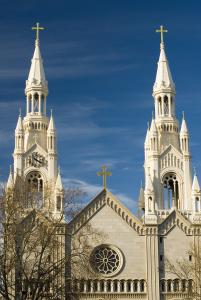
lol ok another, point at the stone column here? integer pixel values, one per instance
(152, 258)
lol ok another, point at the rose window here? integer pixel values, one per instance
(107, 260)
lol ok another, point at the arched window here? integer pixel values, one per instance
(166, 106)
(34, 187)
(36, 102)
(171, 191)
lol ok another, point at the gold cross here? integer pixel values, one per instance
(37, 28)
(104, 173)
(162, 31)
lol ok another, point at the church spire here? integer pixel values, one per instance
(36, 85)
(36, 79)
(164, 81)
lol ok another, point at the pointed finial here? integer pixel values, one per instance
(20, 112)
(148, 125)
(194, 169)
(51, 112)
(37, 28)
(162, 31)
(183, 115)
(152, 115)
(11, 169)
(59, 170)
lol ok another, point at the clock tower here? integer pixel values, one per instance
(35, 153)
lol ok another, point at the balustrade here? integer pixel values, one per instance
(107, 286)
(175, 286)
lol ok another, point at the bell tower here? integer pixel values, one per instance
(167, 155)
(35, 153)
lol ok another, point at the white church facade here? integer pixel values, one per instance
(130, 259)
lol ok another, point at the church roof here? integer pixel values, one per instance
(164, 79)
(106, 198)
(36, 76)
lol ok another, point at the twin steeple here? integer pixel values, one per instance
(167, 154)
(35, 153)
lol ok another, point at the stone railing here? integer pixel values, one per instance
(163, 214)
(107, 286)
(175, 286)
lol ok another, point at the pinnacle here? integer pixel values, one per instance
(184, 128)
(195, 185)
(59, 185)
(19, 126)
(51, 126)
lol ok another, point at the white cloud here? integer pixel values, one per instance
(93, 190)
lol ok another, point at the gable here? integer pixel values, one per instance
(36, 147)
(175, 219)
(105, 198)
(171, 158)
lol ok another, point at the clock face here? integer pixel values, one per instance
(35, 159)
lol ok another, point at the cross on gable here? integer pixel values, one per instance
(104, 173)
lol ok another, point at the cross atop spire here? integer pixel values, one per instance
(37, 28)
(104, 173)
(162, 31)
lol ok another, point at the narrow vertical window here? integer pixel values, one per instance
(59, 203)
(166, 106)
(36, 102)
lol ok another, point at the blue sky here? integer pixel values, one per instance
(100, 61)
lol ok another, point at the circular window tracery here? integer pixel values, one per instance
(107, 260)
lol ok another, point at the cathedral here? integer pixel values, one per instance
(130, 259)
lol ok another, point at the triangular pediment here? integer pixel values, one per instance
(106, 198)
(171, 158)
(36, 148)
(175, 218)
(171, 149)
